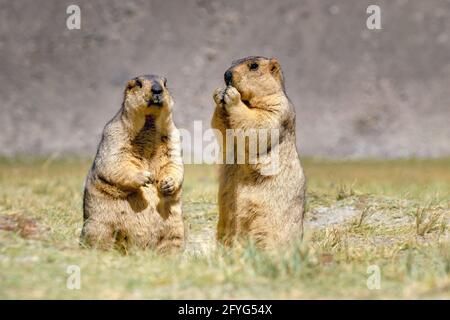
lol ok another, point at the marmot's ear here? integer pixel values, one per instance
(275, 69)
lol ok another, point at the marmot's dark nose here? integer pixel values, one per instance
(156, 88)
(228, 77)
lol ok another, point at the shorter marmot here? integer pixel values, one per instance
(266, 206)
(132, 195)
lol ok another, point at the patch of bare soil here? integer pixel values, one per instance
(26, 227)
(322, 217)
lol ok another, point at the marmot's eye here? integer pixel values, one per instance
(253, 66)
(165, 82)
(139, 83)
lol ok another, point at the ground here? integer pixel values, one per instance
(363, 217)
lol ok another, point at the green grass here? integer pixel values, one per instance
(400, 212)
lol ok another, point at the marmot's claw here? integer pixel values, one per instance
(150, 176)
(144, 178)
(167, 186)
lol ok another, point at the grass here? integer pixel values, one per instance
(397, 215)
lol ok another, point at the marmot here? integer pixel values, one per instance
(132, 195)
(265, 208)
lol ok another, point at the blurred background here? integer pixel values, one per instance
(357, 92)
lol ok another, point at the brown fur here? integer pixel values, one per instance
(132, 194)
(268, 209)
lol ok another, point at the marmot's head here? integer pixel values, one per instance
(147, 94)
(255, 77)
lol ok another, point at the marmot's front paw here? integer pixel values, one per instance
(227, 96)
(218, 95)
(143, 178)
(231, 96)
(167, 186)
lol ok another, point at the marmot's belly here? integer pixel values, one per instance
(256, 206)
(133, 221)
(137, 211)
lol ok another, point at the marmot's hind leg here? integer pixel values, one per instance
(172, 237)
(171, 243)
(96, 234)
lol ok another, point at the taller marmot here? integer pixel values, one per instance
(132, 194)
(267, 208)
